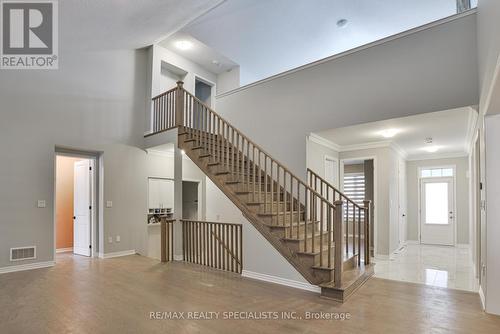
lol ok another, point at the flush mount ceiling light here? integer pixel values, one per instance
(389, 133)
(183, 45)
(431, 149)
(342, 23)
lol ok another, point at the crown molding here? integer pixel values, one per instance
(399, 150)
(325, 142)
(366, 146)
(472, 124)
(440, 156)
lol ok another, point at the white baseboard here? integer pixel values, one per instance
(412, 242)
(282, 281)
(116, 254)
(381, 257)
(465, 246)
(481, 295)
(28, 266)
(64, 250)
(391, 256)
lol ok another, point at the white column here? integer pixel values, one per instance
(177, 201)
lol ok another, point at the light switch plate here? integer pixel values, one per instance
(118, 239)
(109, 204)
(41, 203)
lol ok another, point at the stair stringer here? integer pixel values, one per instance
(252, 217)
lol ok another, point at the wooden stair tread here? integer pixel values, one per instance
(300, 224)
(280, 213)
(317, 250)
(308, 235)
(278, 217)
(351, 280)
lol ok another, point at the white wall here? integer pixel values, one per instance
(229, 80)
(492, 288)
(259, 256)
(462, 198)
(315, 158)
(160, 82)
(95, 101)
(427, 71)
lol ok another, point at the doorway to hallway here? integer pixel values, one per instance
(190, 208)
(75, 204)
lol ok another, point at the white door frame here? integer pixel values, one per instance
(97, 196)
(375, 193)
(419, 199)
(213, 91)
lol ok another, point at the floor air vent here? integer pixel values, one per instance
(23, 253)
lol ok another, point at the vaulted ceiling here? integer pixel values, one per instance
(124, 24)
(272, 36)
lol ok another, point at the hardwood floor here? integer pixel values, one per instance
(81, 295)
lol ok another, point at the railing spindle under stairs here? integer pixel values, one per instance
(356, 217)
(213, 244)
(311, 218)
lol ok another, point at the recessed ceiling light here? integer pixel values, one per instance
(431, 149)
(183, 152)
(183, 45)
(389, 133)
(342, 23)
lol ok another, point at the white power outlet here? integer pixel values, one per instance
(109, 204)
(41, 203)
(118, 239)
(110, 240)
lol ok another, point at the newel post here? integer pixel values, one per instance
(367, 231)
(338, 233)
(179, 106)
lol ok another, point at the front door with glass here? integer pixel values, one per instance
(437, 216)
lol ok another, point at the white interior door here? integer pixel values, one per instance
(437, 216)
(82, 208)
(330, 171)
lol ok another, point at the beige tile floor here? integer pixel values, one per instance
(441, 266)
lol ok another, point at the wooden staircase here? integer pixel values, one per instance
(323, 234)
